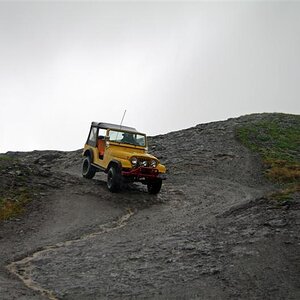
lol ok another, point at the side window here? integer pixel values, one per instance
(93, 137)
(101, 133)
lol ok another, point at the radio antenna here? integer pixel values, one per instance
(121, 124)
(123, 119)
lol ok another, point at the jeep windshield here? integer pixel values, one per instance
(130, 138)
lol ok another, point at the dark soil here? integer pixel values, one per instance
(212, 232)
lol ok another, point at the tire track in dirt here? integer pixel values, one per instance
(22, 268)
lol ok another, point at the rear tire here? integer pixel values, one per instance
(88, 171)
(154, 186)
(114, 179)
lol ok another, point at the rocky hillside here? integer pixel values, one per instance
(225, 225)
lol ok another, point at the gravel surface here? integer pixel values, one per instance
(210, 234)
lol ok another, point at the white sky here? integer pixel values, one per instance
(171, 65)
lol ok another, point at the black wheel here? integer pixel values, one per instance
(114, 179)
(88, 171)
(154, 186)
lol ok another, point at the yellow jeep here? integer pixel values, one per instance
(121, 152)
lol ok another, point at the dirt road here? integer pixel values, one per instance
(210, 233)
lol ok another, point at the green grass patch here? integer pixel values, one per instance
(5, 157)
(13, 205)
(14, 187)
(277, 139)
(6, 161)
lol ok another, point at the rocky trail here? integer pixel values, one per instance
(211, 233)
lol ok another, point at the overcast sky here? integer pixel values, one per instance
(171, 65)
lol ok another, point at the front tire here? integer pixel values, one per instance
(88, 171)
(154, 186)
(114, 179)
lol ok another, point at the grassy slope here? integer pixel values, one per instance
(277, 139)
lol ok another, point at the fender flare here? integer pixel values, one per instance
(114, 162)
(89, 153)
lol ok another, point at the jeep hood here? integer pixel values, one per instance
(128, 152)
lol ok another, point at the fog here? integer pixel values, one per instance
(170, 65)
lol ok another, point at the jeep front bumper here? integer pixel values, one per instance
(144, 172)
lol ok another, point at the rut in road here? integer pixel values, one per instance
(22, 268)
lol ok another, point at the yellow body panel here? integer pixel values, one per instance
(122, 153)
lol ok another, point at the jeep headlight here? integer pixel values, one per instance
(153, 163)
(134, 161)
(144, 163)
